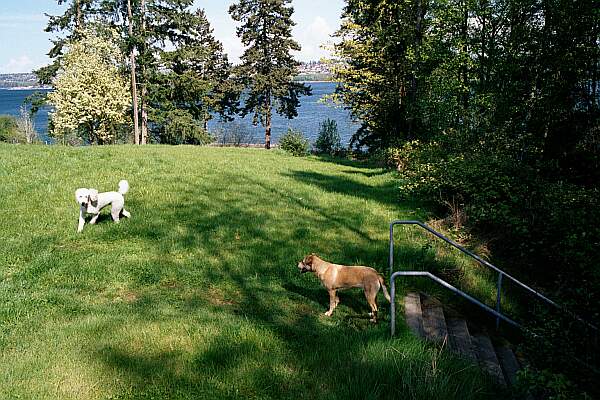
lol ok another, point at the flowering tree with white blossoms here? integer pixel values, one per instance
(90, 96)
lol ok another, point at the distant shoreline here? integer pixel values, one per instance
(27, 88)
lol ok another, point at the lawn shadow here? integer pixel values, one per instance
(385, 194)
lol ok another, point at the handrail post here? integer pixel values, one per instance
(498, 297)
(391, 257)
(393, 303)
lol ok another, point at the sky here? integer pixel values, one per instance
(24, 44)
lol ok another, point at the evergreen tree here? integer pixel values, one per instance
(267, 66)
(180, 70)
(75, 17)
(194, 78)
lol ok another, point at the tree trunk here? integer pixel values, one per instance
(144, 90)
(465, 72)
(78, 19)
(136, 128)
(268, 124)
(412, 95)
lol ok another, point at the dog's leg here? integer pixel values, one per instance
(81, 221)
(115, 212)
(94, 218)
(371, 295)
(126, 213)
(333, 302)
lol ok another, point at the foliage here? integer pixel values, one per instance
(26, 127)
(491, 107)
(8, 128)
(375, 62)
(77, 14)
(548, 385)
(193, 78)
(481, 71)
(328, 141)
(17, 129)
(294, 142)
(234, 134)
(90, 96)
(267, 66)
(179, 127)
(178, 65)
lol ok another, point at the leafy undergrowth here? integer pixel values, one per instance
(198, 294)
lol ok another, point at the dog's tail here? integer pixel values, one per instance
(385, 292)
(123, 186)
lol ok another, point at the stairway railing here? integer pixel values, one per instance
(501, 275)
(445, 284)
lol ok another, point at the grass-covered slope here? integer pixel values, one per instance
(198, 294)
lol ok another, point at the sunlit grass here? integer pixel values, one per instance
(198, 294)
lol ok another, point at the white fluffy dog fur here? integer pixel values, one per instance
(91, 202)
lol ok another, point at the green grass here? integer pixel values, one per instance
(198, 294)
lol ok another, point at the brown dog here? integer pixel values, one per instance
(335, 277)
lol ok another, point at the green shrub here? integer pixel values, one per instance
(546, 384)
(540, 226)
(179, 127)
(328, 141)
(294, 142)
(234, 134)
(8, 128)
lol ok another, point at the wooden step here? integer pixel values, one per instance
(434, 323)
(414, 316)
(487, 357)
(460, 339)
(508, 362)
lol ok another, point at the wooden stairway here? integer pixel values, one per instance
(425, 318)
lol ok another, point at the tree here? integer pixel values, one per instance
(267, 66)
(194, 78)
(75, 17)
(8, 128)
(132, 66)
(378, 59)
(90, 97)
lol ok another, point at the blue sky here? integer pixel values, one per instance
(24, 44)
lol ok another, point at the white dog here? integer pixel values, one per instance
(91, 202)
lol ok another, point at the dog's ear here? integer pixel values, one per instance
(308, 260)
(93, 195)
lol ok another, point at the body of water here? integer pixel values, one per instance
(12, 100)
(310, 114)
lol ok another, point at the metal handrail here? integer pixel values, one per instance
(501, 273)
(447, 286)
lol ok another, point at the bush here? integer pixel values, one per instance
(539, 225)
(294, 142)
(26, 127)
(234, 134)
(179, 127)
(8, 128)
(328, 141)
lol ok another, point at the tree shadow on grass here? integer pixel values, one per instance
(385, 194)
(357, 164)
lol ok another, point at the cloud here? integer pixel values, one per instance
(20, 64)
(312, 38)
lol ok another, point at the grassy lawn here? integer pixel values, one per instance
(198, 294)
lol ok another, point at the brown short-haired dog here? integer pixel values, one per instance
(335, 277)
